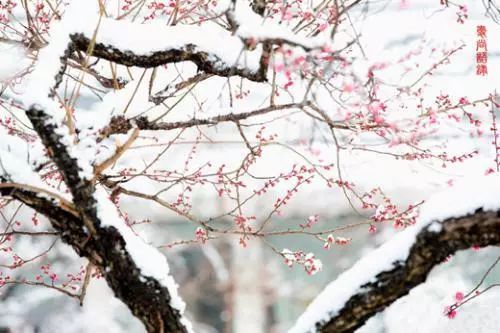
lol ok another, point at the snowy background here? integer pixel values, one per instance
(230, 289)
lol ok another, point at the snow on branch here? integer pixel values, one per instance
(151, 45)
(137, 273)
(466, 215)
(154, 44)
(252, 26)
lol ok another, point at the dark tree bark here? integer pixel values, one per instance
(79, 225)
(205, 62)
(429, 250)
(102, 245)
(146, 297)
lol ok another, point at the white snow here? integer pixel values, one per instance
(148, 259)
(251, 25)
(422, 310)
(12, 61)
(462, 199)
(17, 161)
(41, 80)
(146, 38)
(81, 17)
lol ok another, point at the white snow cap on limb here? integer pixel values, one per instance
(252, 25)
(460, 200)
(148, 259)
(78, 15)
(82, 16)
(16, 163)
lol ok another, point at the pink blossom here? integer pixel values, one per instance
(348, 87)
(449, 312)
(311, 220)
(201, 235)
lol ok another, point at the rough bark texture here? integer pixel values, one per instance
(430, 249)
(146, 297)
(103, 246)
(205, 62)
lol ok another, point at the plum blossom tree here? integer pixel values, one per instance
(113, 104)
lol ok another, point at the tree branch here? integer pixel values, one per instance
(121, 125)
(104, 246)
(205, 61)
(429, 250)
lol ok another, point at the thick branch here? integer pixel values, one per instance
(430, 249)
(63, 220)
(206, 62)
(103, 246)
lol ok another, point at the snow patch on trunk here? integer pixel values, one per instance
(460, 200)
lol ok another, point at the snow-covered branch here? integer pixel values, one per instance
(467, 215)
(154, 44)
(137, 273)
(170, 45)
(303, 114)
